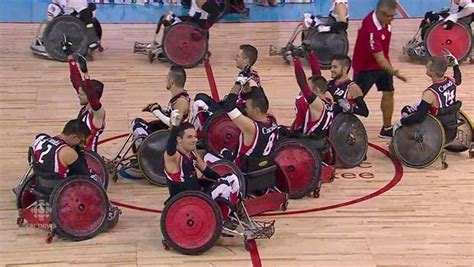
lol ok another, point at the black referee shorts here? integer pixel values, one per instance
(366, 79)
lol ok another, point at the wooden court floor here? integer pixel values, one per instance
(424, 217)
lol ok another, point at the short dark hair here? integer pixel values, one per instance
(250, 52)
(76, 127)
(438, 66)
(98, 87)
(259, 99)
(387, 4)
(319, 82)
(345, 61)
(178, 75)
(183, 127)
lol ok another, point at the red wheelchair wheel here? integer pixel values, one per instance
(79, 207)
(25, 196)
(300, 166)
(191, 222)
(185, 44)
(458, 40)
(97, 166)
(219, 133)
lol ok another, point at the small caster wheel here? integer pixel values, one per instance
(331, 179)
(284, 207)
(471, 154)
(165, 244)
(115, 177)
(20, 221)
(444, 165)
(316, 193)
(49, 239)
(151, 57)
(100, 48)
(247, 245)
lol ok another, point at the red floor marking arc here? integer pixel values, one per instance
(396, 178)
(253, 250)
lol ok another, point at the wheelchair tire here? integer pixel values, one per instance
(79, 208)
(191, 222)
(98, 167)
(298, 166)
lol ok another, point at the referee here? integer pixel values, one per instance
(371, 61)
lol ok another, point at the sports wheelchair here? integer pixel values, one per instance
(348, 141)
(49, 44)
(184, 44)
(291, 168)
(432, 39)
(420, 145)
(76, 208)
(192, 222)
(148, 158)
(324, 44)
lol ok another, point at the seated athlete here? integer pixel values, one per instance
(339, 13)
(259, 130)
(313, 108)
(81, 9)
(204, 106)
(459, 10)
(181, 165)
(344, 91)
(89, 93)
(179, 101)
(58, 157)
(438, 96)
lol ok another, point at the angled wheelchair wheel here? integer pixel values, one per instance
(224, 8)
(191, 222)
(150, 157)
(97, 167)
(224, 166)
(326, 45)
(298, 166)
(464, 135)
(458, 40)
(419, 145)
(349, 140)
(25, 196)
(75, 31)
(185, 44)
(219, 133)
(79, 207)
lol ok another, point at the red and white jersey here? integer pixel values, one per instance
(312, 125)
(46, 154)
(86, 116)
(340, 90)
(266, 135)
(184, 94)
(186, 177)
(445, 93)
(254, 77)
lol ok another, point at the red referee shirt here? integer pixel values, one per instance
(371, 38)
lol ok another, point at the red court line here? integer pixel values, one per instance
(253, 250)
(396, 178)
(394, 181)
